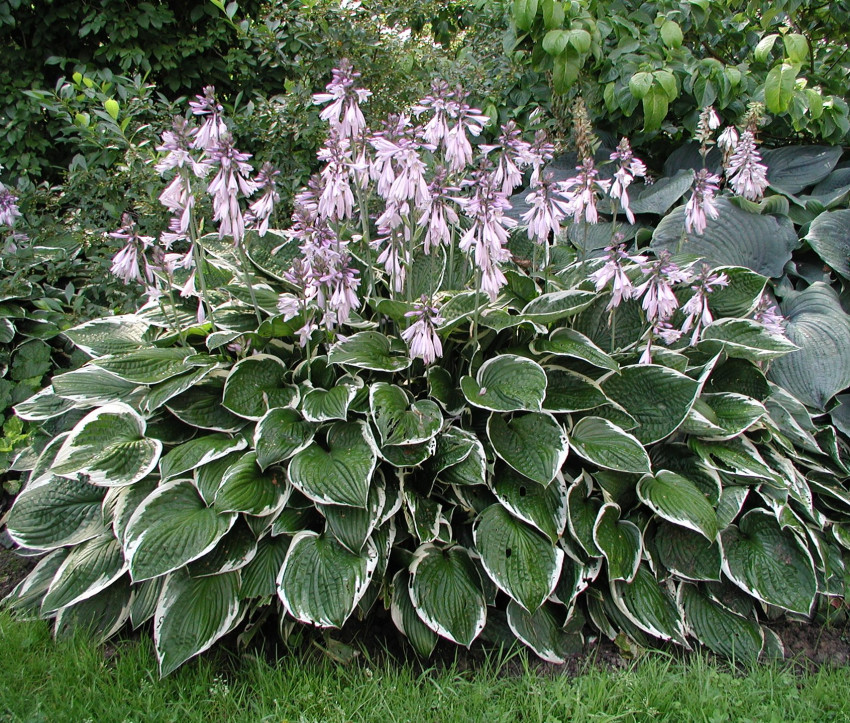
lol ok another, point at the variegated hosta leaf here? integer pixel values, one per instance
(506, 383)
(201, 407)
(687, 553)
(400, 422)
(352, 526)
(371, 350)
(340, 474)
(718, 628)
(88, 569)
(556, 305)
(192, 613)
(543, 632)
(162, 392)
(606, 445)
(408, 455)
(91, 385)
(534, 444)
(722, 416)
(657, 397)
(446, 592)
(744, 339)
(570, 343)
(198, 452)
(649, 606)
(151, 366)
(736, 456)
(143, 606)
(443, 388)
(256, 385)
(56, 511)
(235, 550)
(424, 515)
(471, 469)
(582, 511)
(100, 616)
(321, 582)
(677, 499)
(42, 406)
(280, 434)
(109, 335)
(323, 405)
(109, 446)
(768, 562)
(543, 507)
(740, 296)
(421, 637)
(521, 562)
(245, 488)
(568, 391)
(620, 541)
(172, 527)
(26, 596)
(259, 576)
(453, 446)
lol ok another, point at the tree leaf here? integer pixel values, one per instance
(779, 87)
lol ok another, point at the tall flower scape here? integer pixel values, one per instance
(464, 390)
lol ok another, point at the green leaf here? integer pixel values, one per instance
(172, 527)
(718, 628)
(568, 391)
(109, 335)
(42, 406)
(620, 542)
(521, 562)
(655, 104)
(677, 499)
(829, 236)
(471, 469)
(148, 366)
(582, 511)
(544, 507)
(259, 576)
(244, 488)
(744, 339)
(89, 568)
(91, 385)
(569, 343)
(793, 168)
(640, 84)
(191, 614)
(728, 415)
(737, 456)
(764, 46)
(421, 637)
(565, 70)
(779, 87)
(647, 605)
(198, 452)
(235, 550)
(31, 359)
(446, 593)
(371, 350)
(534, 444)
(442, 386)
(201, 407)
(272, 253)
(524, 12)
(321, 582)
(99, 616)
(817, 323)
(768, 562)
(281, 434)
(256, 385)
(25, 598)
(740, 297)
(687, 553)
(400, 422)
(109, 446)
(657, 397)
(506, 383)
(542, 631)
(352, 526)
(162, 392)
(323, 405)
(340, 474)
(555, 41)
(671, 34)
(556, 305)
(658, 197)
(553, 14)
(796, 47)
(453, 446)
(606, 445)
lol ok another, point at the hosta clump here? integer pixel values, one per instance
(414, 400)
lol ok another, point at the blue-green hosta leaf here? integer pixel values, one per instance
(506, 383)
(398, 421)
(109, 335)
(43, 406)
(658, 197)
(371, 350)
(740, 296)
(162, 392)
(551, 307)
(198, 452)
(543, 631)
(100, 616)
(829, 236)
(201, 407)
(340, 472)
(620, 542)
(54, 511)
(723, 415)
(677, 499)
(88, 569)
(687, 553)
(281, 434)
(534, 444)
(259, 576)
(744, 339)
(150, 366)
(172, 527)
(648, 605)
(257, 384)
(91, 385)
(192, 613)
(421, 637)
(544, 507)
(235, 550)
(352, 526)
(657, 397)
(768, 562)
(446, 592)
(570, 343)
(606, 445)
(734, 238)
(582, 511)
(245, 488)
(718, 628)
(792, 168)
(109, 445)
(323, 405)
(320, 582)
(817, 323)
(518, 558)
(568, 391)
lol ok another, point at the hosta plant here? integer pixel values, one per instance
(491, 413)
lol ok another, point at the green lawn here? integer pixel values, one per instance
(71, 680)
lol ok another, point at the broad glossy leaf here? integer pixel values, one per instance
(648, 605)
(198, 452)
(744, 339)
(259, 576)
(506, 383)
(544, 507)
(352, 526)
(740, 296)
(677, 499)
(280, 434)
(687, 553)
(723, 416)
(160, 393)
(718, 628)
(201, 407)
(606, 445)
(256, 385)
(620, 542)
(543, 631)
(235, 550)
(568, 391)
(472, 468)
(321, 582)
(570, 343)
(371, 350)
(453, 446)
(400, 422)
(446, 592)
(421, 637)
(582, 511)
(246, 488)
(534, 444)
(338, 473)
(443, 388)
(109, 335)
(25, 598)
(792, 168)
(658, 197)
(42, 406)
(143, 605)
(322, 405)
(736, 456)
(91, 385)
(192, 613)
(768, 562)
(99, 616)
(149, 366)
(556, 305)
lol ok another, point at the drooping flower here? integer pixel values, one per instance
(708, 122)
(9, 211)
(441, 102)
(233, 177)
(659, 302)
(260, 211)
(727, 140)
(468, 121)
(659, 330)
(437, 214)
(422, 335)
(628, 169)
(614, 271)
(583, 192)
(542, 151)
(513, 154)
(702, 204)
(343, 109)
(746, 173)
(130, 263)
(213, 128)
(336, 200)
(177, 144)
(768, 315)
(548, 209)
(696, 308)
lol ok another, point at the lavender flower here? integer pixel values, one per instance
(9, 211)
(129, 262)
(260, 211)
(178, 145)
(659, 301)
(514, 154)
(232, 177)
(547, 210)
(336, 201)
(628, 169)
(708, 122)
(422, 334)
(441, 103)
(660, 330)
(746, 173)
(469, 121)
(696, 308)
(214, 128)
(702, 202)
(768, 315)
(582, 191)
(437, 214)
(343, 112)
(614, 270)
